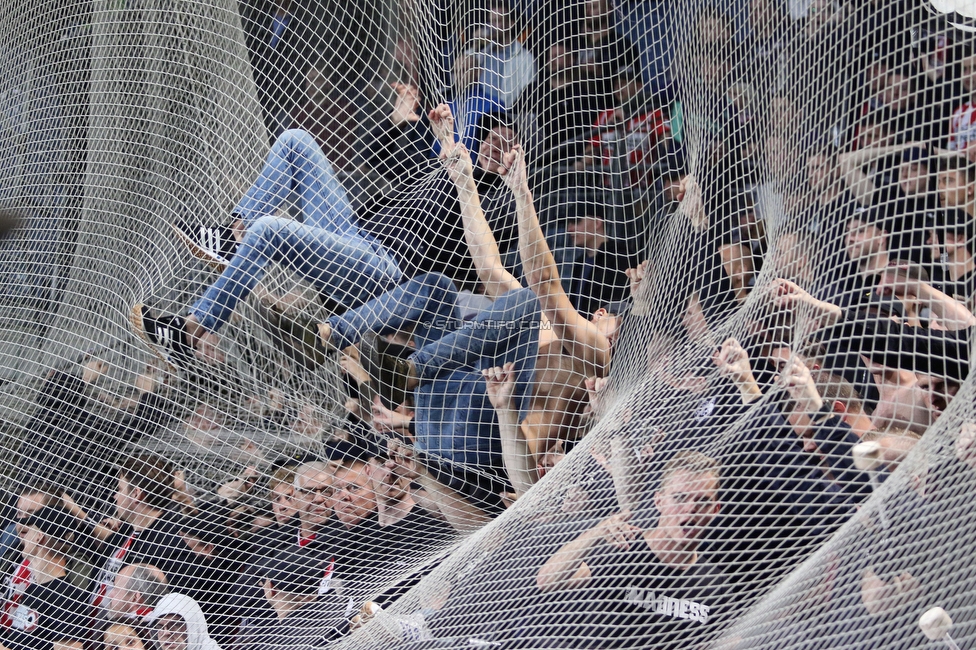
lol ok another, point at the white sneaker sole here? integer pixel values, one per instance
(214, 261)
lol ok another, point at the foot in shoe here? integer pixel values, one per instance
(296, 336)
(215, 245)
(165, 335)
(390, 371)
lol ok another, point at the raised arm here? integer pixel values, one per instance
(516, 456)
(460, 513)
(580, 338)
(860, 185)
(567, 568)
(477, 233)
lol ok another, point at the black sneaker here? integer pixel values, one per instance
(165, 335)
(387, 366)
(215, 245)
(296, 336)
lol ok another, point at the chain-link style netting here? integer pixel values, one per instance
(501, 323)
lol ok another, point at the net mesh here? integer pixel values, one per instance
(487, 324)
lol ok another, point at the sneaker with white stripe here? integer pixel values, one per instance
(165, 335)
(215, 245)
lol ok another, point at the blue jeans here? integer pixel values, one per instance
(454, 418)
(326, 247)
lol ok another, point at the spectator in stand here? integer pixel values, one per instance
(32, 498)
(313, 499)
(146, 530)
(957, 265)
(423, 228)
(307, 612)
(867, 258)
(213, 568)
(136, 592)
(603, 52)
(85, 415)
(179, 624)
(593, 265)
(50, 613)
(326, 247)
(283, 524)
(630, 131)
(675, 590)
(558, 107)
(329, 116)
(120, 636)
(280, 36)
(962, 124)
(830, 207)
(507, 67)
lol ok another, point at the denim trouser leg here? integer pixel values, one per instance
(345, 266)
(296, 164)
(429, 302)
(455, 419)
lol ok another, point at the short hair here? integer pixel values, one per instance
(282, 476)
(957, 163)
(691, 461)
(313, 467)
(894, 432)
(149, 582)
(152, 474)
(834, 388)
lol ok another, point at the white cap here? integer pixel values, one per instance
(935, 623)
(867, 455)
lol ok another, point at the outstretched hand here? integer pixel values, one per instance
(500, 383)
(733, 361)
(442, 124)
(789, 295)
(512, 169)
(407, 103)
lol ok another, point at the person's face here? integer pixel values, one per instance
(354, 498)
(385, 482)
(627, 89)
(687, 503)
(283, 503)
(559, 59)
(171, 632)
(820, 172)
(466, 71)
(31, 539)
(28, 505)
(779, 359)
(897, 94)
(789, 257)
(496, 144)
(937, 394)
(969, 73)
(913, 178)
(315, 498)
(122, 637)
(606, 323)
(864, 240)
(317, 86)
(122, 601)
(954, 190)
(952, 241)
(125, 499)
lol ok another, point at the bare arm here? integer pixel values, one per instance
(854, 177)
(567, 569)
(477, 233)
(460, 513)
(581, 338)
(516, 456)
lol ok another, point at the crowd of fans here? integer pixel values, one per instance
(478, 339)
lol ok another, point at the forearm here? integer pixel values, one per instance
(460, 513)
(537, 260)
(563, 565)
(950, 312)
(515, 452)
(481, 243)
